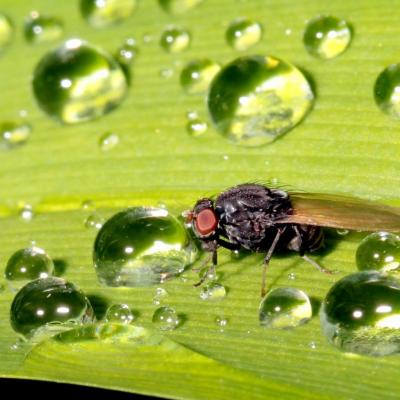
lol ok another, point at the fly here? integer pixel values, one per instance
(260, 219)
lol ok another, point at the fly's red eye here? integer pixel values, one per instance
(206, 222)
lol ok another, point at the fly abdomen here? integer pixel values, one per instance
(306, 238)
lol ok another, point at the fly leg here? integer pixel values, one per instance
(211, 270)
(316, 265)
(267, 259)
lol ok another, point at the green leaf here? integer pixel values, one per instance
(345, 145)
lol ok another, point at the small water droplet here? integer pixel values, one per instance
(288, 32)
(165, 318)
(6, 31)
(103, 13)
(292, 276)
(191, 115)
(254, 100)
(78, 82)
(196, 127)
(94, 221)
(88, 205)
(48, 306)
(178, 6)
(166, 73)
(285, 308)
(40, 28)
(147, 38)
(159, 296)
(221, 322)
(14, 134)
(26, 213)
(128, 52)
(387, 91)
(108, 141)
(15, 346)
(326, 37)
(379, 251)
(342, 232)
(119, 313)
(197, 75)
(360, 314)
(225, 157)
(243, 34)
(312, 345)
(141, 247)
(28, 264)
(175, 40)
(213, 291)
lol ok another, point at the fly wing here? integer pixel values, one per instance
(342, 212)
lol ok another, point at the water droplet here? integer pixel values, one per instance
(197, 75)
(103, 13)
(361, 314)
(190, 115)
(221, 322)
(165, 318)
(312, 345)
(326, 36)
(178, 6)
(141, 247)
(119, 313)
(78, 82)
(88, 205)
(6, 31)
(225, 157)
(166, 73)
(342, 232)
(292, 276)
(285, 308)
(196, 127)
(40, 29)
(243, 34)
(147, 38)
(49, 306)
(108, 141)
(288, 32)
(387, 91)
(213, 291)
(379, 251)
(14, 134)
(26, 213)
(175, 40)
(253, 100)
(160, 294)
(127, 53)
(94, 221)
(28, 264)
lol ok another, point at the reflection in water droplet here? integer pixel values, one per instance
(379, 251)
(94, 221)
(213, 291)
(103, 13)
(165, 318)
(196, 127)
(26, 213)
(78, 82)
(28, 264)
(285, 308)
(14, 134)
(48, 306)
(253, 100)
(178, 6)
(119, 313)
(41, 29)
(175, 40)
(243, 34)
(197, 75)
(327, 37)
(387, 91)
(141, 247)
(128, 52)
(361, 314)
(108, 141)
(6, 31)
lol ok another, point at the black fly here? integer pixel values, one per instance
(260, 219)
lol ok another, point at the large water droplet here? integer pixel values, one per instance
(119, 313)
(361, 314)
(379, 251)
(14, 134)
(165, 318)
(178, 6)
(327, 37)
(387, 91)
(6, 31)
(49, 306)
(141, 247)
(243, 34)
(103, 13)
(213, 291)
(255, 99)
(40, 29)
(175, 40)
(78, 82)
(197, 75)
(28, 264)
(285, 308)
